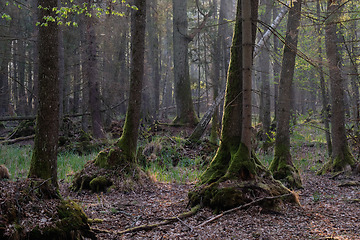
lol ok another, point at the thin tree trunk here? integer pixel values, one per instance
(92, 78)
(323, 87)
(282, 166)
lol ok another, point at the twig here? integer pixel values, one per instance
(241, 207)
(188, 226)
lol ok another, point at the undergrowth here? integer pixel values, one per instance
(17, 160)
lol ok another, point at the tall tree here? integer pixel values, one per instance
(264, 61)
(282, 166)
(234, 170)
(185, 113)
(123, 153)
(44, 158)
(341, 156)
(4, 61)
(91, 74)
(323, 87)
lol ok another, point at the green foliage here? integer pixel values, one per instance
(166, 161)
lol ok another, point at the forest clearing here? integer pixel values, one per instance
(179, 119)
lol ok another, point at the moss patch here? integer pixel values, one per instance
(99, 184)
(339, 163)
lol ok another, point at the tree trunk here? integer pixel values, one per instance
(264, 59)
(128, 141)
(44, 158)
(4, 62)
(341, 155)
(282, 166)
(324, 95)
(184, 105)
(92, 78)
(233, 172)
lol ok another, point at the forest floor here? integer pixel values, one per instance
(327, 211)
(330, 208)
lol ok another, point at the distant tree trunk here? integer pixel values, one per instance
(184, 105)
(44, 158)
(4, 62)
(341, 155)
(323, 87)
(168, 84)
(282, 166)
(277, 67)
(215, 74)
(21, 80)
(264, 59)
(154, 55)
(61, 71)
(92, 77)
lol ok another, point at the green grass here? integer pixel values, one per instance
(186, 171)
(17, 160)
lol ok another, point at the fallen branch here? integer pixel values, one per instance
(12, 141)
(192, 212)
(242, 207)
(350, 184)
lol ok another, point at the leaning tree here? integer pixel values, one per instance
(235, 176)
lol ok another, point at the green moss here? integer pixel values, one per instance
(338, 163)
(241, 165)
(72, 224)
(99, 184)
(217, 167)
(227, 198)
(283, 169)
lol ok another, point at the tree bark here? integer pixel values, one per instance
(282, 166)
(44, 158)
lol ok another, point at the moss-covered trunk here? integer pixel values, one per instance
(282, 166)
(234, 176)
